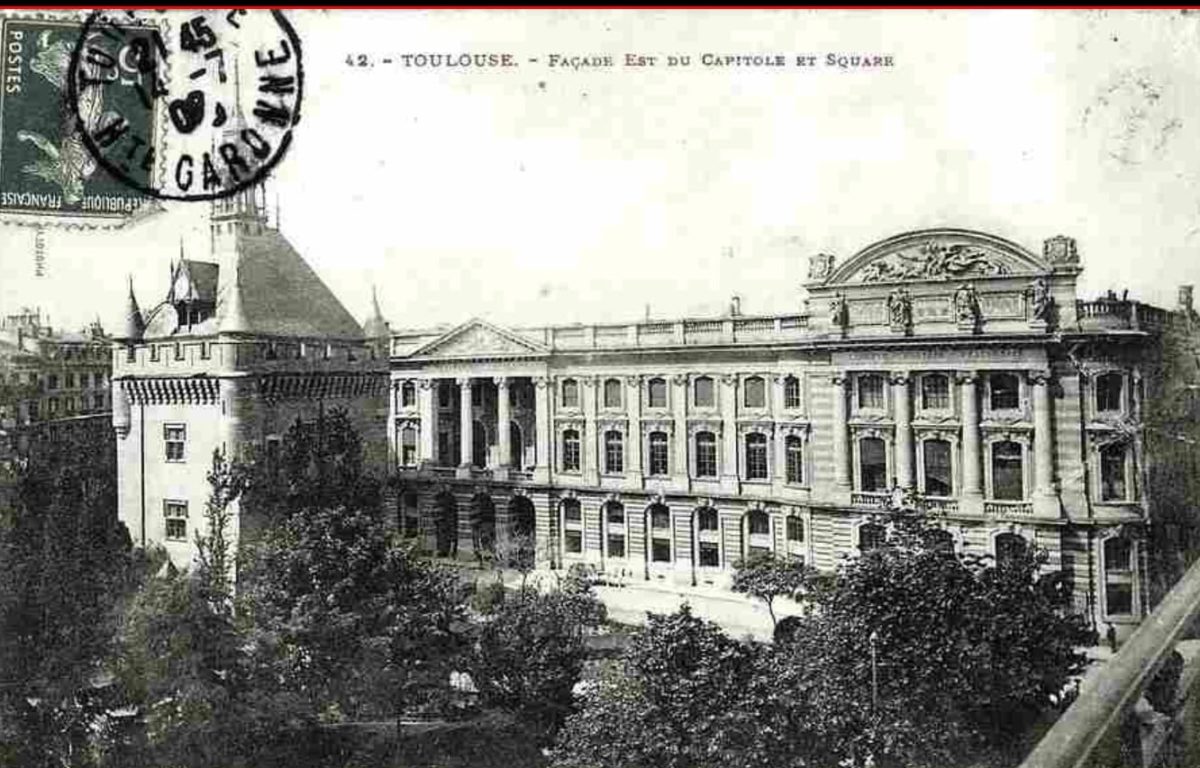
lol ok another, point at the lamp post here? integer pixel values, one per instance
(874, 640)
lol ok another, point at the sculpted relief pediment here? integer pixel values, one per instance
(931, 255)
(479, 339)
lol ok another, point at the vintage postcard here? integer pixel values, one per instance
(586, 387)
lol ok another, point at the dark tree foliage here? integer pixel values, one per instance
(910, 655)
(65, 566)
(353, 623)
(531, 651)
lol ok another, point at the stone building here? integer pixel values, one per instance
(239, 348)
(953, 366)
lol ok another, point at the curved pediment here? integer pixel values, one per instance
(937, 254)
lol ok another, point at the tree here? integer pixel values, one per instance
(767, 577)
(684, 695)
(531, 651)
(67, 566)
(965, 654)
(352, 620)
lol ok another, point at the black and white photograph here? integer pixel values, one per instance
(599, 388)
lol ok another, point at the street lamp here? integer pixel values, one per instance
(874, 640)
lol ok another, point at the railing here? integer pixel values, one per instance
(692, 332)
(1007, 508)
(867, 498)
(1090, 732)
(1111, 312)
(939, 505)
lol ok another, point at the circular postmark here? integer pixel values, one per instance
(226, 87)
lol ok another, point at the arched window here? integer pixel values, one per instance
(570, 393)
(794, 448)
(408, 395)
(702, 389)
(758, 533)
(659, 454)
(1008, 476)
(614, 530)
(1118, 576)
(660, 533)
(872, 464)
(1010, 547)
(706, 454)
(935, 392)
(754, 392)
(791, 393)
(1005, 391)
(756, 456)
(939, 475)
(870, 391)
(1112, 473)
(570, 450)
(614, 452)
(870, 536)
(657, 393)
(612, 393)
(572, 527)
(1108, 392)
(708, 538)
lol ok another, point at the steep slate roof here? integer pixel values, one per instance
(274, 292)
(201, 279)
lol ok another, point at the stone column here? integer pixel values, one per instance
(633, 407)
(503, 428)
(591, 438)
(729, 434)
(425, 403)
(904, 433)
(841, 434)
(544, 458)
(1043, 446)
(679, 458)
(972, 474)
(465, 424)
(779, 463)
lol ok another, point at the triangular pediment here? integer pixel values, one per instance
(479, 338)
(937, 254)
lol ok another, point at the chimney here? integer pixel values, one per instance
(1185, 299)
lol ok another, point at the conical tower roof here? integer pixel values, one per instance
(135, 324)
(376, 327)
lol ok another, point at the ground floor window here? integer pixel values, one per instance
(176, 513)
(660, 534)
(1118, 576)
(872, 464)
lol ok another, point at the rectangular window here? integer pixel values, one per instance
(570, 451)
(408, 447)
(795, 529)
(935, 392)
(616, 545)
(660, 551)
(612, 393)
(659, 454)
(53, 383)
(791, 393)
(873, 464)
(755, 392)
(710, 554)
(174, 440)
(939, 478)
(795, 459)
(657, 393)
(573, 541)
(703, 392)
(1005, 391)
(706, 454)
(1112, 473)
(614, 453)
(70, 381)
(178, 351)
(154, 353)
(175, 513)
(1008, 481)
(870, 391)
(756, 456)
(1108, 392)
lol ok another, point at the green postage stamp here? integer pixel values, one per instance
(47, 175)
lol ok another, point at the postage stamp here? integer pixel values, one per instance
(229, 83)
(46, 171)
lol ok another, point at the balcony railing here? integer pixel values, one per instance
(938, 505)
(867, 498)
(1121, 314)
(1021, 508)
(1096, 730)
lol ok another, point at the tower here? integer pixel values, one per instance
(242, 345)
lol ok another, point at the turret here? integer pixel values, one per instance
(135, 325)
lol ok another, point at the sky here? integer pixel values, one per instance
(536, 194)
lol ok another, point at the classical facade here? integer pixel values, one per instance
(239, 348)
(954, 367)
